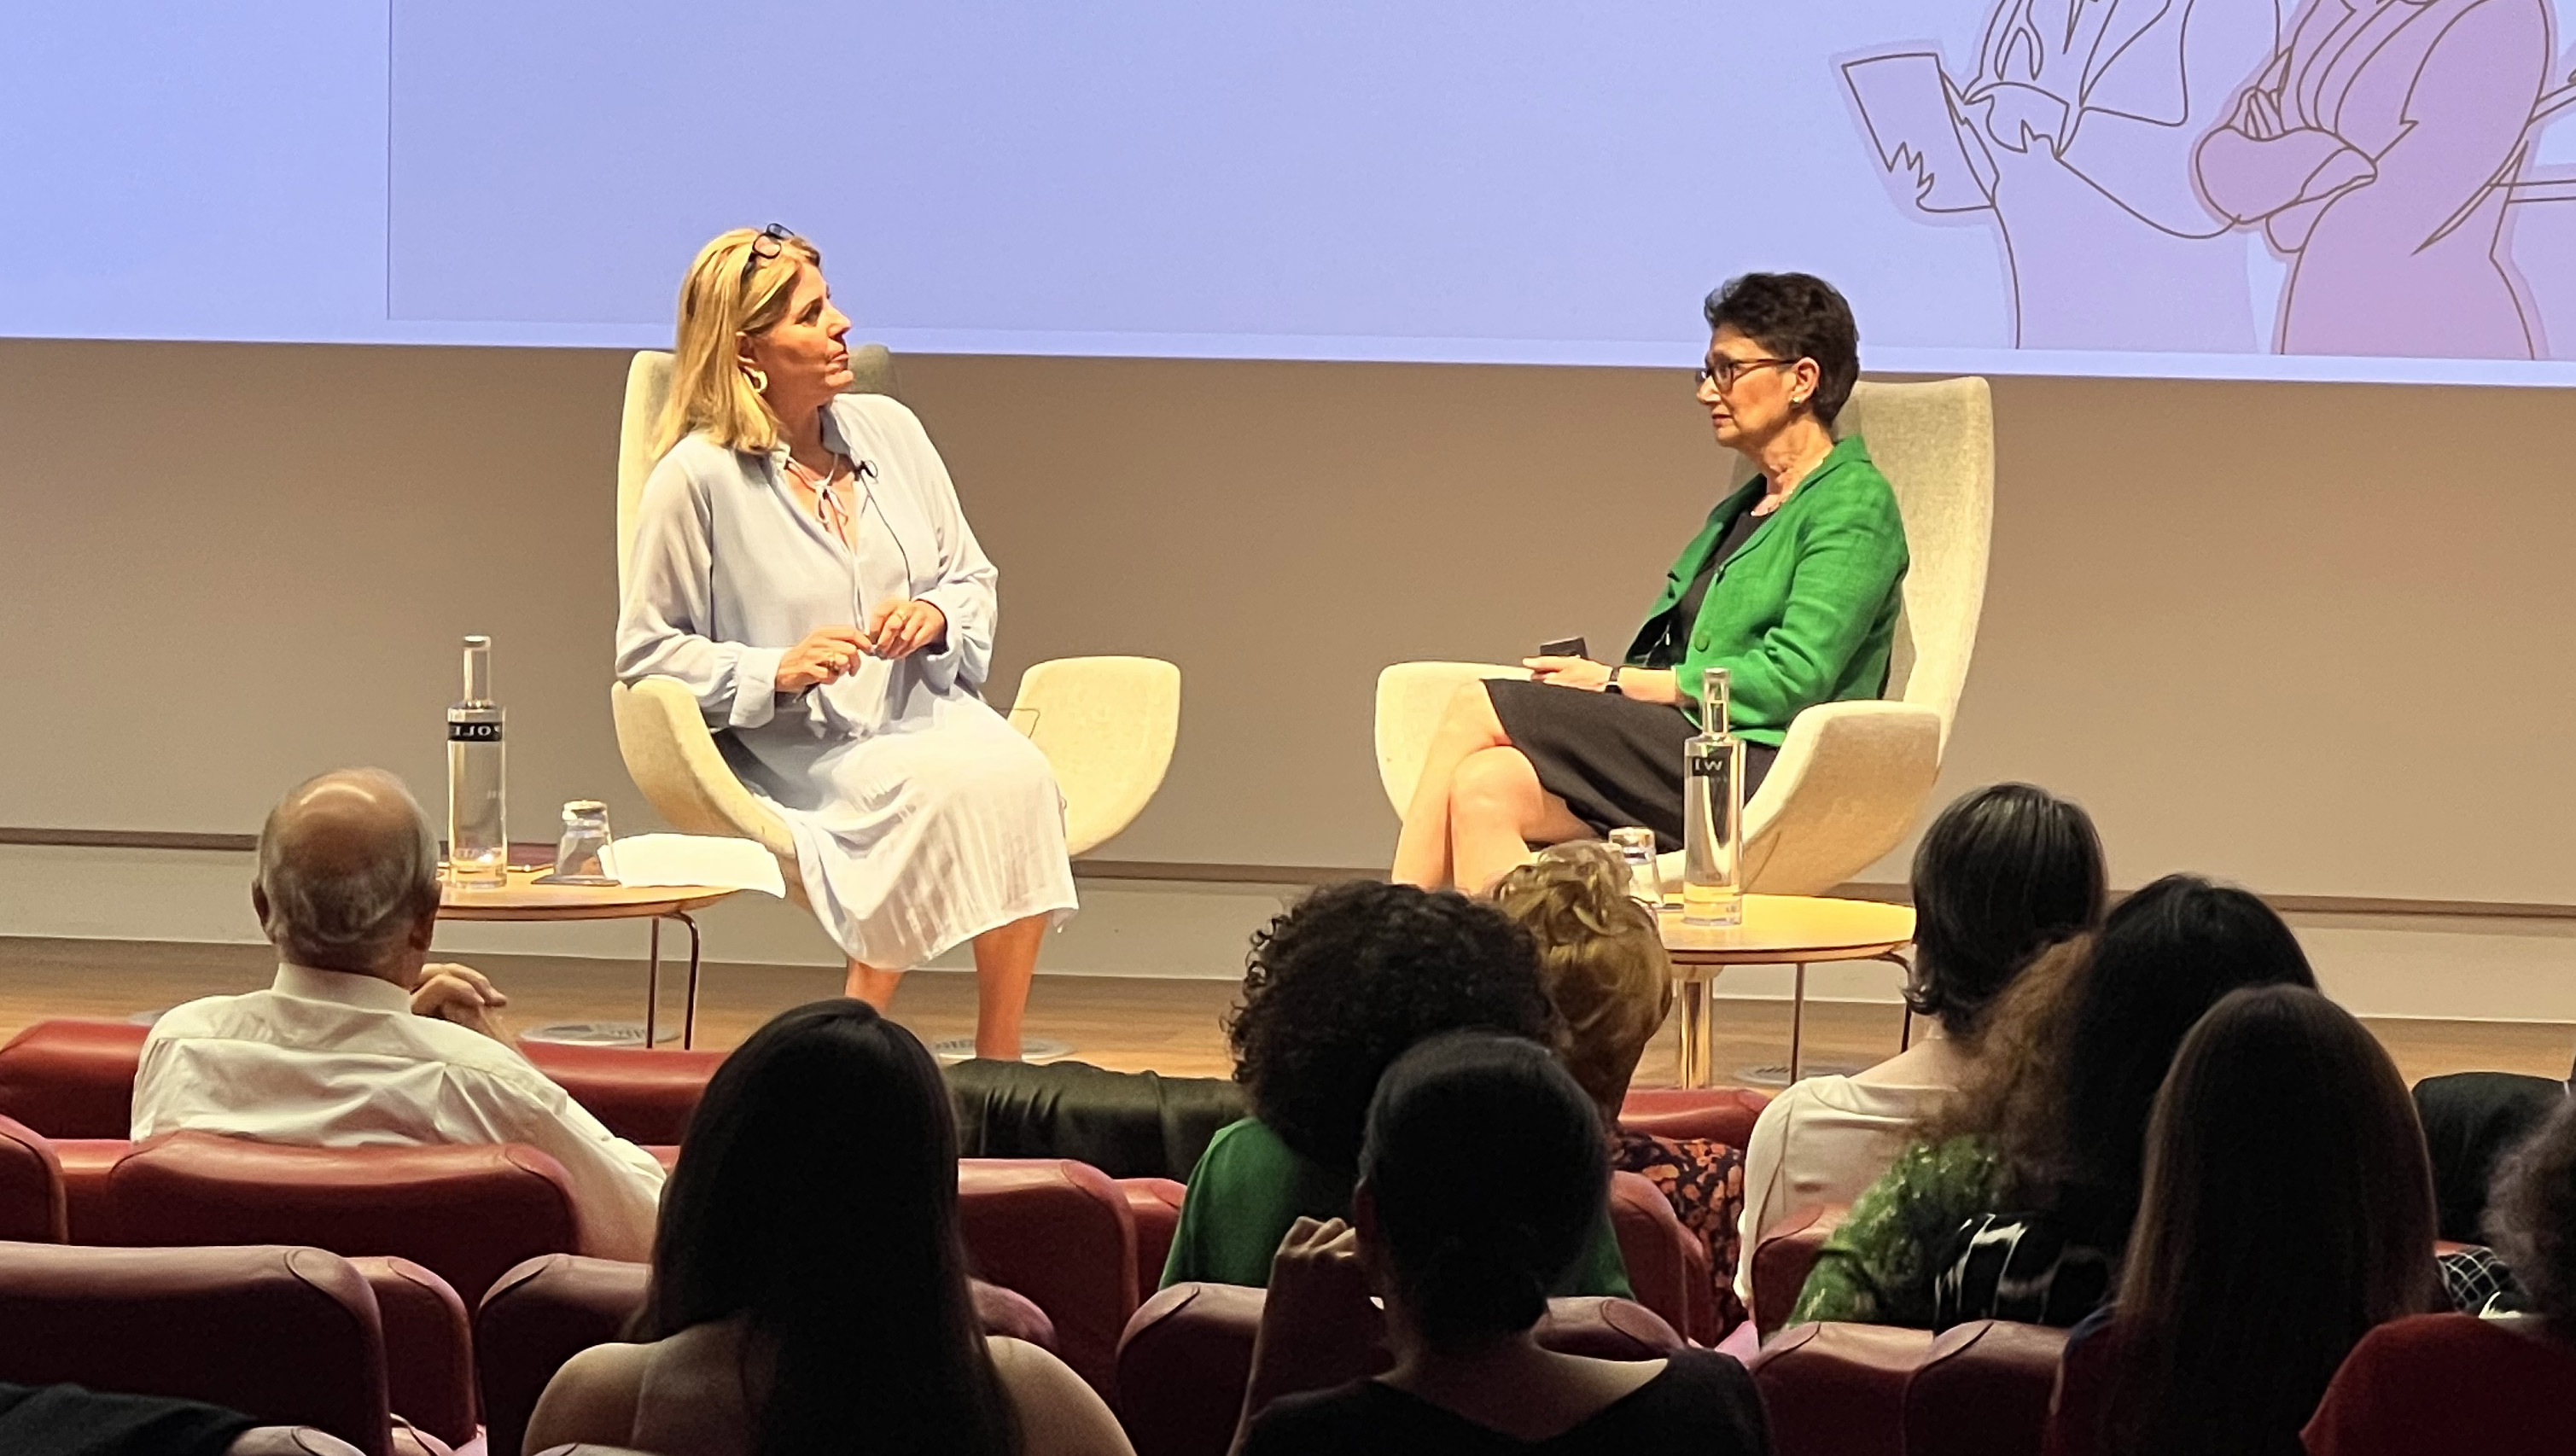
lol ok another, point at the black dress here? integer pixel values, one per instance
(1616, 761)
(1702, 1404)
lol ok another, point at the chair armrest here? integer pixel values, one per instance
(673, 759)
(1411, 697)
(1107, 726)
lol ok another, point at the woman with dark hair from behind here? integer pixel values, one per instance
(1480, 1178)
(2014, 1200)
(2004, 873)
(2288, 1210)
(1334, 991)
(809, 1290)
(2436, 1384)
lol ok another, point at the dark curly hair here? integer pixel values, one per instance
(1339, 986)
(2004, 873)
(2532, 1218)
(1795, 316)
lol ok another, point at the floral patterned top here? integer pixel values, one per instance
(1703, 1179)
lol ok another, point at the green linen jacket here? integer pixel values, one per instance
(1805, 611)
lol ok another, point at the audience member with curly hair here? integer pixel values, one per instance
(1334, 991)
(2003, 873)
(2288, 1211)
(2014, 1201)
(1604, 964)
(2499, 1386)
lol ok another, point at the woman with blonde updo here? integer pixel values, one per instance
(1603, 963)
(802, 563)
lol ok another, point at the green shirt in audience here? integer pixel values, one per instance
(1250, 1187)
(1878, 1267)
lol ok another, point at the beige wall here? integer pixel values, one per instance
(2315, 637)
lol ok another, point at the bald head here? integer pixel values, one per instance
(348, 874)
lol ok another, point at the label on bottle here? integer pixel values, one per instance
(473, 732)
(1704, 763)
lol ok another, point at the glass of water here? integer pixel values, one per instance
(1636, 847)
(585, 835)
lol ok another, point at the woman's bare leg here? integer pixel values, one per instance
(1006, 960)
(1496, 812)
(866, 983)
(1422, 850)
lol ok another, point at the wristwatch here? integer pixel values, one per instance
(1612, 686)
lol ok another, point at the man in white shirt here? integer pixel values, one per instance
(361, 1040)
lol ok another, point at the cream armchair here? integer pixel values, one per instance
(1851, 777)
(1106, 724)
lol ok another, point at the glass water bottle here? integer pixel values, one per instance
(478, 838)
(1713, 812)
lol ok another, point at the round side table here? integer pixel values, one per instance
(524, 899)
(1791, 930)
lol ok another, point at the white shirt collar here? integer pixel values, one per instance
(347, 988)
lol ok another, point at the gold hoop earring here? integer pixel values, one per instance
(758, 378)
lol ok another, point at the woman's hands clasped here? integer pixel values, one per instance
(895, 630)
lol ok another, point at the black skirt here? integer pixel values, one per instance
(1615, 761)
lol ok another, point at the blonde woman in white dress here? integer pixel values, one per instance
(801, 562)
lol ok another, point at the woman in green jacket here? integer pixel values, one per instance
(1791, 585)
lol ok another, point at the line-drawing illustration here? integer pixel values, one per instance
(2130, 154)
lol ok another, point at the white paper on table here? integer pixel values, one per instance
(693, 859)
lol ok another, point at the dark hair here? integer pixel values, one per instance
(2003, 873)
(1795, 316)
(1342, 983)
(1484, 1167)
(2288, 1210)
(816, 1194)
(2082, 1040)
(2532, 1218)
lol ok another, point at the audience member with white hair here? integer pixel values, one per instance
(361, 1039)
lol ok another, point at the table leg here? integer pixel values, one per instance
(653, 982)
(689, 1019)
(1797, 1023)
(1691, 1066)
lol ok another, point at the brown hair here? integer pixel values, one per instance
(2288, 1210)
(718, 305)
(1600, 956)
(2532, 1218)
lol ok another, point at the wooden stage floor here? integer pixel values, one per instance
(1127, 1023)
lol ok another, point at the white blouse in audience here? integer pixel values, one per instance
(1821, 1143)
(336, 1060)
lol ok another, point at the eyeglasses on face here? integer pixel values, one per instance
(764, 245)
(1723, 372)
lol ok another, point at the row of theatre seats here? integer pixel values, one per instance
(449, 1294)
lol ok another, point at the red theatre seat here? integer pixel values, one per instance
(286, 1336)
(1983, 1390)
(72, 1079)
(550, 1309)
(1154, 1206)
(1188, 1353)
(468, 1213)
(1838, 1390)
(643, 1097)
(429, 1348)
(1782, 1260)
(1667, 1263)
(1059, 1232)
(32, 1207)
(75, 1079)
(1720, 1114)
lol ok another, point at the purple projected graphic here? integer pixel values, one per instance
(2122, 149)
(2237, 189)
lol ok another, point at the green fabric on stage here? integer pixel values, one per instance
(1250, 1187)
(1805, 611)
